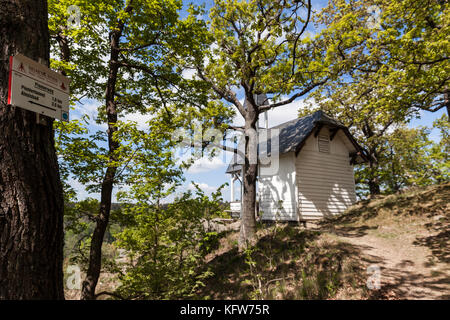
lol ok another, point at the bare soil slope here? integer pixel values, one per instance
(407, 236)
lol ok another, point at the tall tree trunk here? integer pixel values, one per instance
(102, 220)
(374, 187)
(250, 173)
(373, 183)
(31, 196)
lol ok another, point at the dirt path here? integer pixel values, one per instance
(408, 269)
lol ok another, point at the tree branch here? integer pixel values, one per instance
(224, 93)
(292, 98)
(112, 294)
(299, 35)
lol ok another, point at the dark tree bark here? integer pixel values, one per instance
(102, 220)
(31, 196)
(374, 187)
(250, 110)
(373, 182)
(248, 224)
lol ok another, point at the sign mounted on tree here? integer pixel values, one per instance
(34, 87)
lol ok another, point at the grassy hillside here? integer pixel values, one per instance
(406, 235)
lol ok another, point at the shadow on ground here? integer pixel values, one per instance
(286, 263)
(325, 260)
(405, 279)
(439, 242)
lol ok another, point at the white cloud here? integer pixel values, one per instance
(205, 164)
(283, 113)
(89, 107)
(189, 74)
(79, 189)
(206, 188)
(276, 116)
(212, 48)
(140, 119)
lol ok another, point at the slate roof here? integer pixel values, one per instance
(294, 132)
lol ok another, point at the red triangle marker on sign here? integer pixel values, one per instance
(35, 87)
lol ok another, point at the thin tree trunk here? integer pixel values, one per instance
(373, 183)
(31, 196)
(102, 220)
(374, 187)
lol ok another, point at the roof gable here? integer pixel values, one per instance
(292, 135)
(294, 132)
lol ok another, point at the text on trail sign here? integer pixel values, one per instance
(35, 87)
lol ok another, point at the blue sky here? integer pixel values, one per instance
(210, 173)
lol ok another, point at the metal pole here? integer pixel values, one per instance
(232, 188)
